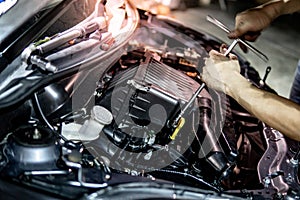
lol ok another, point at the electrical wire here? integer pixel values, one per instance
(40, 111)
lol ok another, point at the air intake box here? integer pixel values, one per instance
(151, 94)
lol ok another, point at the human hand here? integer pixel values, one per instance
(250, 23)
(220, 70)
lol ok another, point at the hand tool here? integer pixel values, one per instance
(237, 40)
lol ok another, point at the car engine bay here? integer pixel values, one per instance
(103, 110)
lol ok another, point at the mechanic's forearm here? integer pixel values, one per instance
(276, 111)
(276, 8)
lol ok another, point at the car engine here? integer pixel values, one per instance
(106, 109)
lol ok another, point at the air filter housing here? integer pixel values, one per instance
(151, 94)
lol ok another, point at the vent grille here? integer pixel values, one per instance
(169, 80)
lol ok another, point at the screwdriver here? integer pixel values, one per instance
(179, 121)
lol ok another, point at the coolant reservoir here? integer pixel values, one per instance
(91, 128)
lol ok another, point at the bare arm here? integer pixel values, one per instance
(251, 22)
(282, 7)
(280, 113)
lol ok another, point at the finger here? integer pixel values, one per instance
(203, 74)
(252, 36)
(233, 34)
(223, 48)
(247, 35)
(206, 61)
(216, 57)
(213, 53)
(233, 56)
(241, 25)
(238, 32)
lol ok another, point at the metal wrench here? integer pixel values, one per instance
(236, 41)
(230, 48)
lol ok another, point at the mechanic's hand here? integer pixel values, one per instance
(219, 70)
(250, 23)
